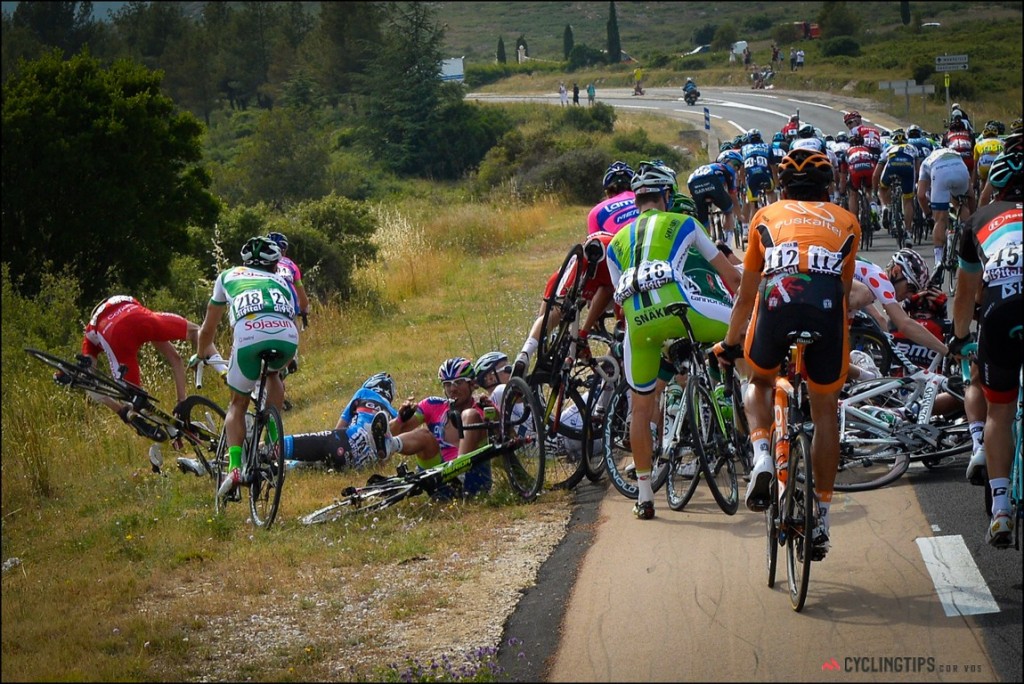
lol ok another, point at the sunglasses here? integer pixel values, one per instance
(448, 383)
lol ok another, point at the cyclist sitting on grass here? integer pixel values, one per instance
(797, 275)
(646, 262)
(991, 258)
(422, 429)
(262, 307)
(118, 327)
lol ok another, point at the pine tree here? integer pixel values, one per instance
(567, 41)
(614, 43)
(502, 59)
(905, 11)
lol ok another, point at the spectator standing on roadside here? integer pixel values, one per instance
(591, 94)
(563, 94)
(800, 59)
(747, 56)
(576, 94)
(792, 59)
(776, 54)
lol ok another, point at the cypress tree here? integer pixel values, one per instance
(567, 41)
(614, 44)
(502, 59)
(905, 11)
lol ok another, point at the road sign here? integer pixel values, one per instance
(950, 67)
(950, 59)
(896, 85)
(707, 119)
(946, 78)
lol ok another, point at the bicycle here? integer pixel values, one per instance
(887, 423)
(517, 437)
(717, 446)
(199, 421)
(559, 375)
(263, 467)
(866, 220)
(899, 226)
(792, 514)
(951, 255)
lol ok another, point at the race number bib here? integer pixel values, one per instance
(650, 275)
(781, 258)
(248, 302)
(821, 260)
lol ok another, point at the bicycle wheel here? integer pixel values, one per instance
(618, 450)
(711, 444)
(564, 460)
(593, 424)
(863, 471)
(873, 342)
(950, 258)
(86, 379)
(684, 468)
(562, 303)
(799, 511)
(521, 421)
(771, 526)
(361, 500)
(267, 469)
(203, 423)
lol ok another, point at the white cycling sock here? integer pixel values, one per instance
(938, 254)
(643, 485)
(1000, 487)
(977, 429)
(529, 347)
(394, 445)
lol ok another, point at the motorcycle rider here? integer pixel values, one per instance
(690, 89)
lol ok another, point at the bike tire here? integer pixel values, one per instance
(863, 472)
(684, 468)
(771, 524)
(203, 426)
(874, 343)
(266, 468)
(521, 421)
(563, 299)
(799, 506)
(618, 452)
(85, 379)
(361, 500)
(710, 441)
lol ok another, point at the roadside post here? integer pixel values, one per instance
(947, 63)
(707, 131)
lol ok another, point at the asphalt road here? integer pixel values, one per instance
(684, 597)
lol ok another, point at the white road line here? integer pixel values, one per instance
(741, 128)
(772, 97)
(637, 107)
(958, 582)
(813, 104)
(740, 105)
(697, 113)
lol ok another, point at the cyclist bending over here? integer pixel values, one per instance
(797, 275)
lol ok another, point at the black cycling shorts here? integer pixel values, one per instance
(999, 353)
(711, 186)
(796, 303)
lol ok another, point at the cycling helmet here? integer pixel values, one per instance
(898, 137)
(260, 251)
(689, 80)
(280, 239)
(851, 116)
(842, 137)
(830, 138)
(731, 157)
(957, 125)
(778, 137)
(915, 270)
(383, 384)
(1016, 126)
(805, 131)
(1005, 174)
(1014, 142)
(491, 362)
(739, 141)
(619, 173)
(684, 204)
(805, 169)
(856, 140)
(913, 131)
(754, 136)
(457, 368)
(652, 177)
(727, 145)
(990, 130)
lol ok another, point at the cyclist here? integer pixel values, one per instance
(985, 152)
(797, 274)
(991, 259)
(290, 270)
(360, 439)
(915, 136)
(716, 183)
(780, 147)
(617, 208)
(262, 305)
(118, 327)
(758, 169)
(860, 164)
(839, 147)
(899, 161)
(959, 139)
(906, 274)
(872, 139)
(941, 178)
(1014, 142)
(789, 130)
(646, 262)
(423, 429)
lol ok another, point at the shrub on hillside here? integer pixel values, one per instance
(574, 175)
(843, 45)
(584, 56)
(596, 119)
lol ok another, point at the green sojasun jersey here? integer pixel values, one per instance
(249, 291)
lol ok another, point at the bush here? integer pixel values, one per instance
(922, 72)
(571, 175)
(760, 22)
(589, 120)
(584, 56)
(689, 64)
(786, 34)
(844, 45)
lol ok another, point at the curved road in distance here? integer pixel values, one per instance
(684, 597)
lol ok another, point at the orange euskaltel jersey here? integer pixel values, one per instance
(803, 237)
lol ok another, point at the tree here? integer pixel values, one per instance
(284, 161)
(502, 59)
(905, 11)
(703, 35)
(837, 19)
(521, 41)
(567, 41)
(340, 48)
(614, 42)
(64, 25)
(725, 36)
(101, 174)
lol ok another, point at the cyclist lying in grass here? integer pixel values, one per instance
(422, 429)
